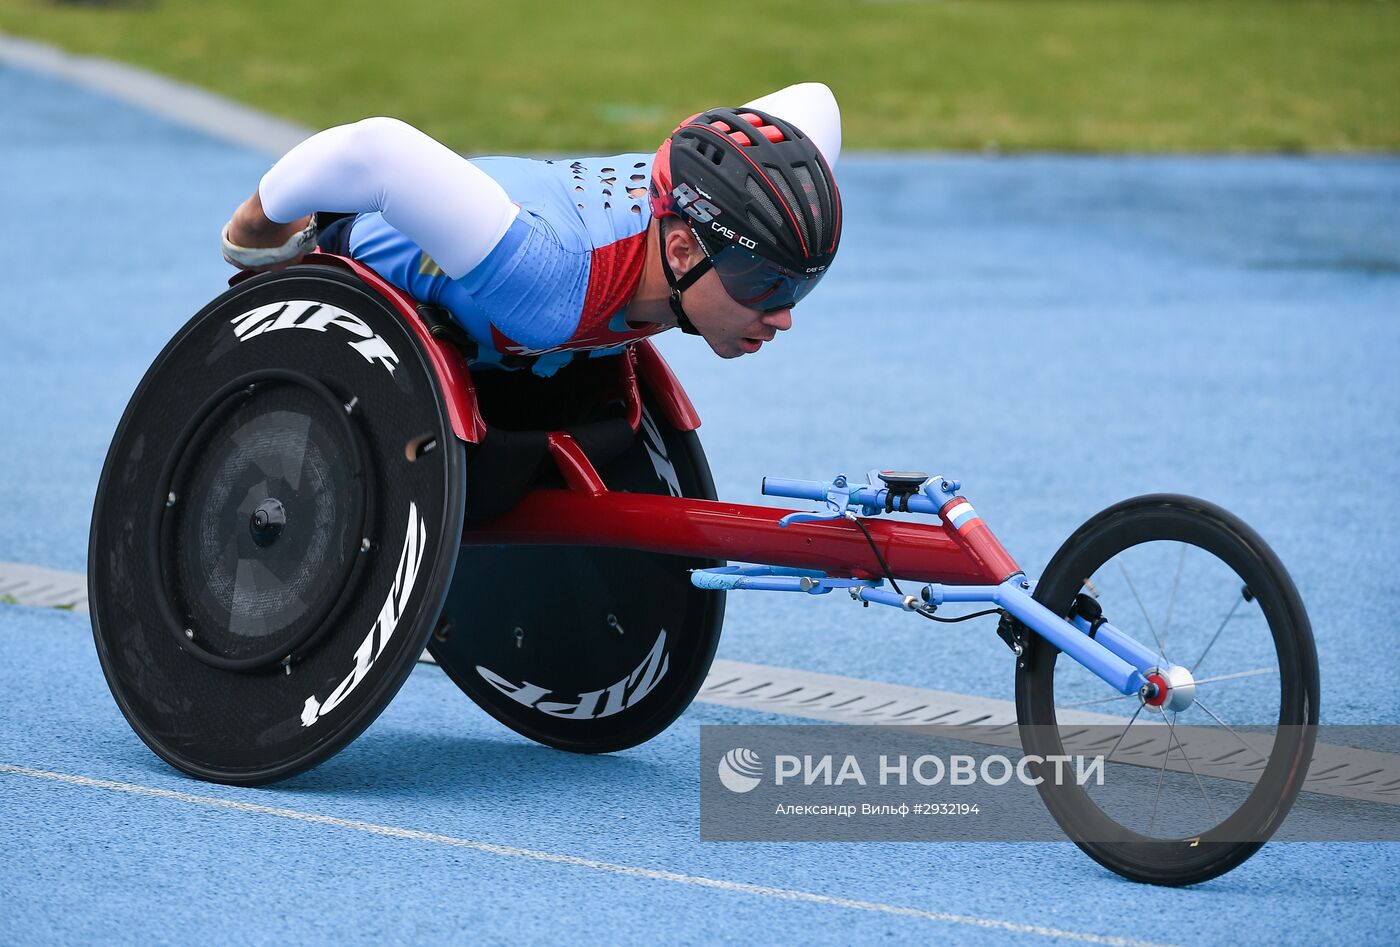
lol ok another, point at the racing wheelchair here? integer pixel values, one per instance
(313, 483)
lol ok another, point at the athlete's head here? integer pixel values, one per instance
(757, 194)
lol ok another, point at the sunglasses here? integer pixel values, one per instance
(754, 282)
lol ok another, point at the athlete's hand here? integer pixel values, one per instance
(250, 228)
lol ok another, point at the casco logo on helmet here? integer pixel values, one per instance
(738, 238)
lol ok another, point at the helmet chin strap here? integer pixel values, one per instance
(679, 286)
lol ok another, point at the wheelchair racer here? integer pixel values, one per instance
(721, 232)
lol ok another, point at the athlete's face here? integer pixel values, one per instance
(730, 328)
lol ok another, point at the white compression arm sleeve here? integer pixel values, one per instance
(427, 192)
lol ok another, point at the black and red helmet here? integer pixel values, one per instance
(760, 198)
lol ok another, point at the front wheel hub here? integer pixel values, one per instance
(1176, 688)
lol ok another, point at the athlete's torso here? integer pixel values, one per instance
(559, 280)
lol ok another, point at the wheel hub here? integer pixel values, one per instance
(1175, 688)
(267, 522)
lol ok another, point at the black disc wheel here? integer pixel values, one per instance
(275, 528)
(582, 648)
(1201, 769)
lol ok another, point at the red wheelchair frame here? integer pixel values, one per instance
(958, 557)
(588, 514)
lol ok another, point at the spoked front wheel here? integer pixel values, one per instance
(1194, 783)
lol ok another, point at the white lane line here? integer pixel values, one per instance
(631, 871)
(1367, 775)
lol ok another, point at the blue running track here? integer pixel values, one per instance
(1103, 327)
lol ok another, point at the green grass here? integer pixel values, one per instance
(543, 75)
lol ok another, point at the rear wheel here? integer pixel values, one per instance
(1194, 787)
(267, 558)
(583, 648)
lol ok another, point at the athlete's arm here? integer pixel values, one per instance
(430, 194)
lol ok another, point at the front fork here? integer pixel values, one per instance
(1118, 659)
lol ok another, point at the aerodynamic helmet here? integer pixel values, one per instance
(759, 197)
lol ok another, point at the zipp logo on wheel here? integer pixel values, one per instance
(318, 317)
(599, 703)
(410, 559)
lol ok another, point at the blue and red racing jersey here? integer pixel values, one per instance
(558, 282)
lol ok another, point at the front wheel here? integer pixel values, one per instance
(1194, 787)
